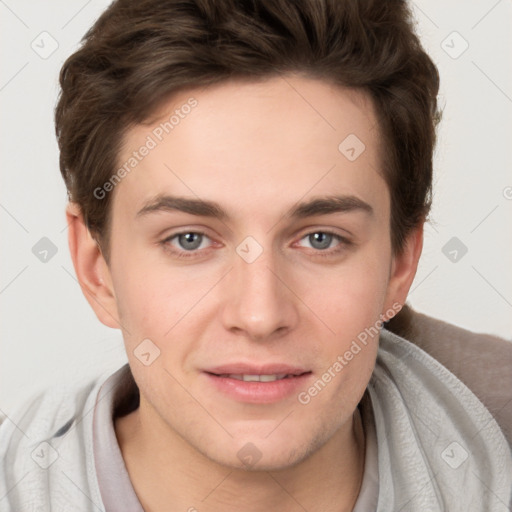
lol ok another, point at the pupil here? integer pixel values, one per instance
(324, 240)
(190, 240)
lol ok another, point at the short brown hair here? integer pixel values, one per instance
(140, 52)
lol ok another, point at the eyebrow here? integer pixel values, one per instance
(316, 206)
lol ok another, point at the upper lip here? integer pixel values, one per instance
(257, 369)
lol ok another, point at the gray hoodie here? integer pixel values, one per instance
(431, 444)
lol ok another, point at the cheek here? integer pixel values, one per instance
(141, 295)
(350, 303)
(350, 306)
(154, 298)
(351, 297)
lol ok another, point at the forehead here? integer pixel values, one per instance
(251, 144)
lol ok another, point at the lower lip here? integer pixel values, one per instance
(258, 392)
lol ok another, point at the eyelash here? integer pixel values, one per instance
(344, 243)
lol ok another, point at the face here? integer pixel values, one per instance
(252, 241)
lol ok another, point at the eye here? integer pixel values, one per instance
(186, 242)
(192, 243)
(321, 241)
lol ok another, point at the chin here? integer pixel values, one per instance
(265, 455)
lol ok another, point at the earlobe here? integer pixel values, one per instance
(91, 268)
(403, 270)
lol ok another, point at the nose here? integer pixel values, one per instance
(260, 303)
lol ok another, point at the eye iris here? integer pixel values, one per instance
(324, 240)
(190, 240)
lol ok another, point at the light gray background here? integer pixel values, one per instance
(49, 333)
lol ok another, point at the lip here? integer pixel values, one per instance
(257, 392)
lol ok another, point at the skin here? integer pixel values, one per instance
(256, 149)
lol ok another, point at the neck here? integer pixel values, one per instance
(173, 472)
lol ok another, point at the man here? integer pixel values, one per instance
(248, 185)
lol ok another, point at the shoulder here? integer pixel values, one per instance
(45, 437)
(483, 362)
(44, 413)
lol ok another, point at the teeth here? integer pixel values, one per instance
(257, 378)
(270, 378)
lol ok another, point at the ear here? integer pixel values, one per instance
(403, 270)
(91, 268)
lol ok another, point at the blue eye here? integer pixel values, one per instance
(321, 240)
(188, 244)
(190, 241)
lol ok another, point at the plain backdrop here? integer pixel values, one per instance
(49, 333)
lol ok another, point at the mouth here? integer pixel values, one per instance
(258, 385)
(258, 378)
